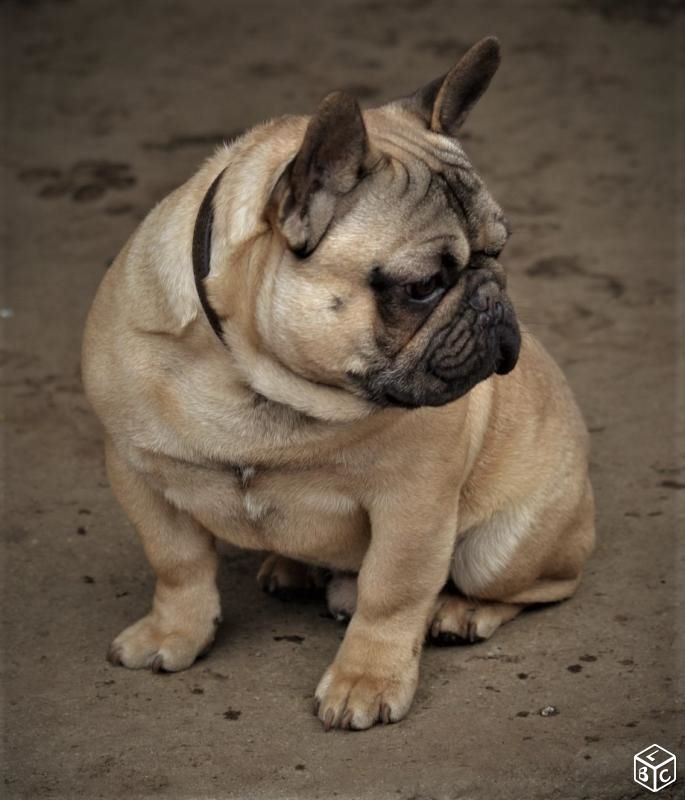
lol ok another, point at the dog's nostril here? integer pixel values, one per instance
(478, 302)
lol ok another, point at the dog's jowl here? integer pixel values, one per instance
(309, 349)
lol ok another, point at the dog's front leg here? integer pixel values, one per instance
(374, 675)
(185, 611)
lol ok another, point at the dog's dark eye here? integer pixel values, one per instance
(426, 290)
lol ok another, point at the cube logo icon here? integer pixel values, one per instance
(654, 768)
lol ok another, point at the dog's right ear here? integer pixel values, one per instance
(330, 163)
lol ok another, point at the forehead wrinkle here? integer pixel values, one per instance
(450, 164)
(457, 200)
(467, 193)
(430, 145)
(406, 184)
(450, 150)
(425, 208)
(400, 168)
(399, 146)
(427, 182)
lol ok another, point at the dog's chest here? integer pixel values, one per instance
(284, 510)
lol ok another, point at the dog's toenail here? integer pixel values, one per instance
(157, 663)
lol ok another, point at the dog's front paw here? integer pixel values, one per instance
(353, 699)
(150, 644)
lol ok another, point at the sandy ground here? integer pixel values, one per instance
(109, 105)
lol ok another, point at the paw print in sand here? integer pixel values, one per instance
(84, 182)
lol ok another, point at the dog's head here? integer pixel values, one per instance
(387, 283)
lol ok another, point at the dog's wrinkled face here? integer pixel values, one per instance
(389, 284)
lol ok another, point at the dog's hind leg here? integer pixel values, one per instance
(458, 619)
(507, 564)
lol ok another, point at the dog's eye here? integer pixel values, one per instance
(426, 290)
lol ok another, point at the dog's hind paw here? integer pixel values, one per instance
(457, 620)
(288, 579)
(341, 596)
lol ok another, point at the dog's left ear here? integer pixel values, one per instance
(330, 163)
(445, 102)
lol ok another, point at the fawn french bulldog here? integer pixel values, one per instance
(308, 349)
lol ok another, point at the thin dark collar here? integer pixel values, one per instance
(202, 252)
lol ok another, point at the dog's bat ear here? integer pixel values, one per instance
(445, 102)
(330, 163)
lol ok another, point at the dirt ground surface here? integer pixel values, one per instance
(108, 106)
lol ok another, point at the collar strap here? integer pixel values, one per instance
(202, 252)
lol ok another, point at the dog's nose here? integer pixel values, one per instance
(488, 312)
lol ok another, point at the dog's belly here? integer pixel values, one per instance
(304, 515)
